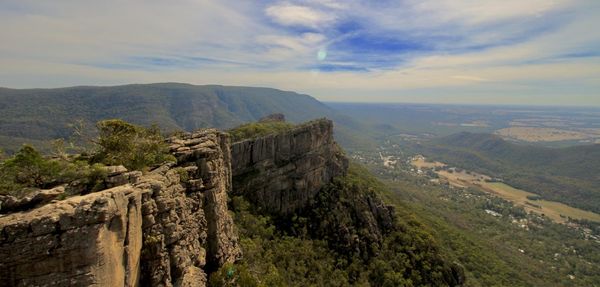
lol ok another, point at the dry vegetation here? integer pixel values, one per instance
(420, 162)
(460, 178)
(551, 209)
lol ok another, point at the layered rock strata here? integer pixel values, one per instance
(164, 228)
(281, 173)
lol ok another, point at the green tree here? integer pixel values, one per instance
(29, 168)
(135, 147)
(252, 130)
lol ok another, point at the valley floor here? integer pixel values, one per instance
(531, 202)
(499, 242)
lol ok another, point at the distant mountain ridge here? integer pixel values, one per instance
(37, 115)
(570, 175)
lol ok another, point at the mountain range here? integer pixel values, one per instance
(36, 116)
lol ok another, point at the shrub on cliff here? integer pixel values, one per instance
(28, 169)
(252, 130)
(135, 147)
(118, 143)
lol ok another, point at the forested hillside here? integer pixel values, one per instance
(38, 115)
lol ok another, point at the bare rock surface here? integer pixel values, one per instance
(283, 172)
(84, 240)
(163, 228)
(40, 197)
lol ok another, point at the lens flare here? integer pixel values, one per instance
(322, 54)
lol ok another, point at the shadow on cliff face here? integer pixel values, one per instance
(283, 171)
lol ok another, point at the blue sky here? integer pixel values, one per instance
(443, 51)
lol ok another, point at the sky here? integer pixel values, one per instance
(533, 52)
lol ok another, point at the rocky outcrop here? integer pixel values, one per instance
(84, 240)
(10, 203)
(206, 160)
(281, 173)
(171, 226)
(290, 173)
(115, 176)
(165, 228)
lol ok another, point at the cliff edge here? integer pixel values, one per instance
(165, 228)
(282, 172)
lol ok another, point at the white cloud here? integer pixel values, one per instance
(76, 42)
(295, 15)
(470, 78)
(484, 11)
(300, 43)
(333, 4)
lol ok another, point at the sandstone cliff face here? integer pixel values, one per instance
(94, 239)
(291, 173)
(165, 228)
(283, 172)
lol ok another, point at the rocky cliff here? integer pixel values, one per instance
(300, 181)
(165, 228)
(283, 172)
(291, 174)
(171, 226)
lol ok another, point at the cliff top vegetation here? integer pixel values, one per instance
(117, 143)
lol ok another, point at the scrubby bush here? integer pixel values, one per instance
(28, 168)
(233, 275)
(274, 258)
(118, 143)
(135, 147)
(252, 130)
